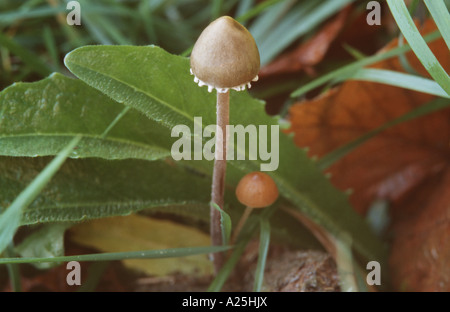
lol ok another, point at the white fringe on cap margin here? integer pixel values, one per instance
(223, 90)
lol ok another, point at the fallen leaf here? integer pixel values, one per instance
(395, 166)
(134, 232)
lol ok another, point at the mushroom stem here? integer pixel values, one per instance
(242, 220)
(218, 182)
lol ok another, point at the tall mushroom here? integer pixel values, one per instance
(224, 57)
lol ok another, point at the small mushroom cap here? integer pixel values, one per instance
(225, 55)
(257, 190)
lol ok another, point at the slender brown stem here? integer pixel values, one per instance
(244, 217)
(218, 182)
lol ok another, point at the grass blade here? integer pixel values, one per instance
(112, 256)
(344, 263)
(227, 268)
(95, 273)
(27, 57)
(264, 241)
(255, 10)
(299, 21)
(216, 9)
(442, 18)
(399, 79)
(10, 219)
(50, 44)
(349, 69)
(225, 224)
(417, 43)
(13, 270)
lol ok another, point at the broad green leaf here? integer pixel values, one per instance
(134, 232)
(47, 242)
(86, 189)
(11, 217)
(94, 188)
(159, 85)
(39, 118)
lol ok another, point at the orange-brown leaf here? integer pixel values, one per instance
(393, 166)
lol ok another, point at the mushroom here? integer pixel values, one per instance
(224, 57)
(254, 190)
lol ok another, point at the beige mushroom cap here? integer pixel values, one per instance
(225, 55)
(257, 190)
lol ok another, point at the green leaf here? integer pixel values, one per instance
(46, 242)
(418, 44)
(39, 118)
(159, 85)
(86, 189)
(10, 219)
(94, 188)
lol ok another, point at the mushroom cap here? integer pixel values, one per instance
(257, 190)
(225, 55)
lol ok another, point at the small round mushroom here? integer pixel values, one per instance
(225, 56)
(254, 190)
(257, 190)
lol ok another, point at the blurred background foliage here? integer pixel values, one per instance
(34, 34)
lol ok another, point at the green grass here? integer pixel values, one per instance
(112, 256)
(418, 44)
(264, 241)
(348, 70)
